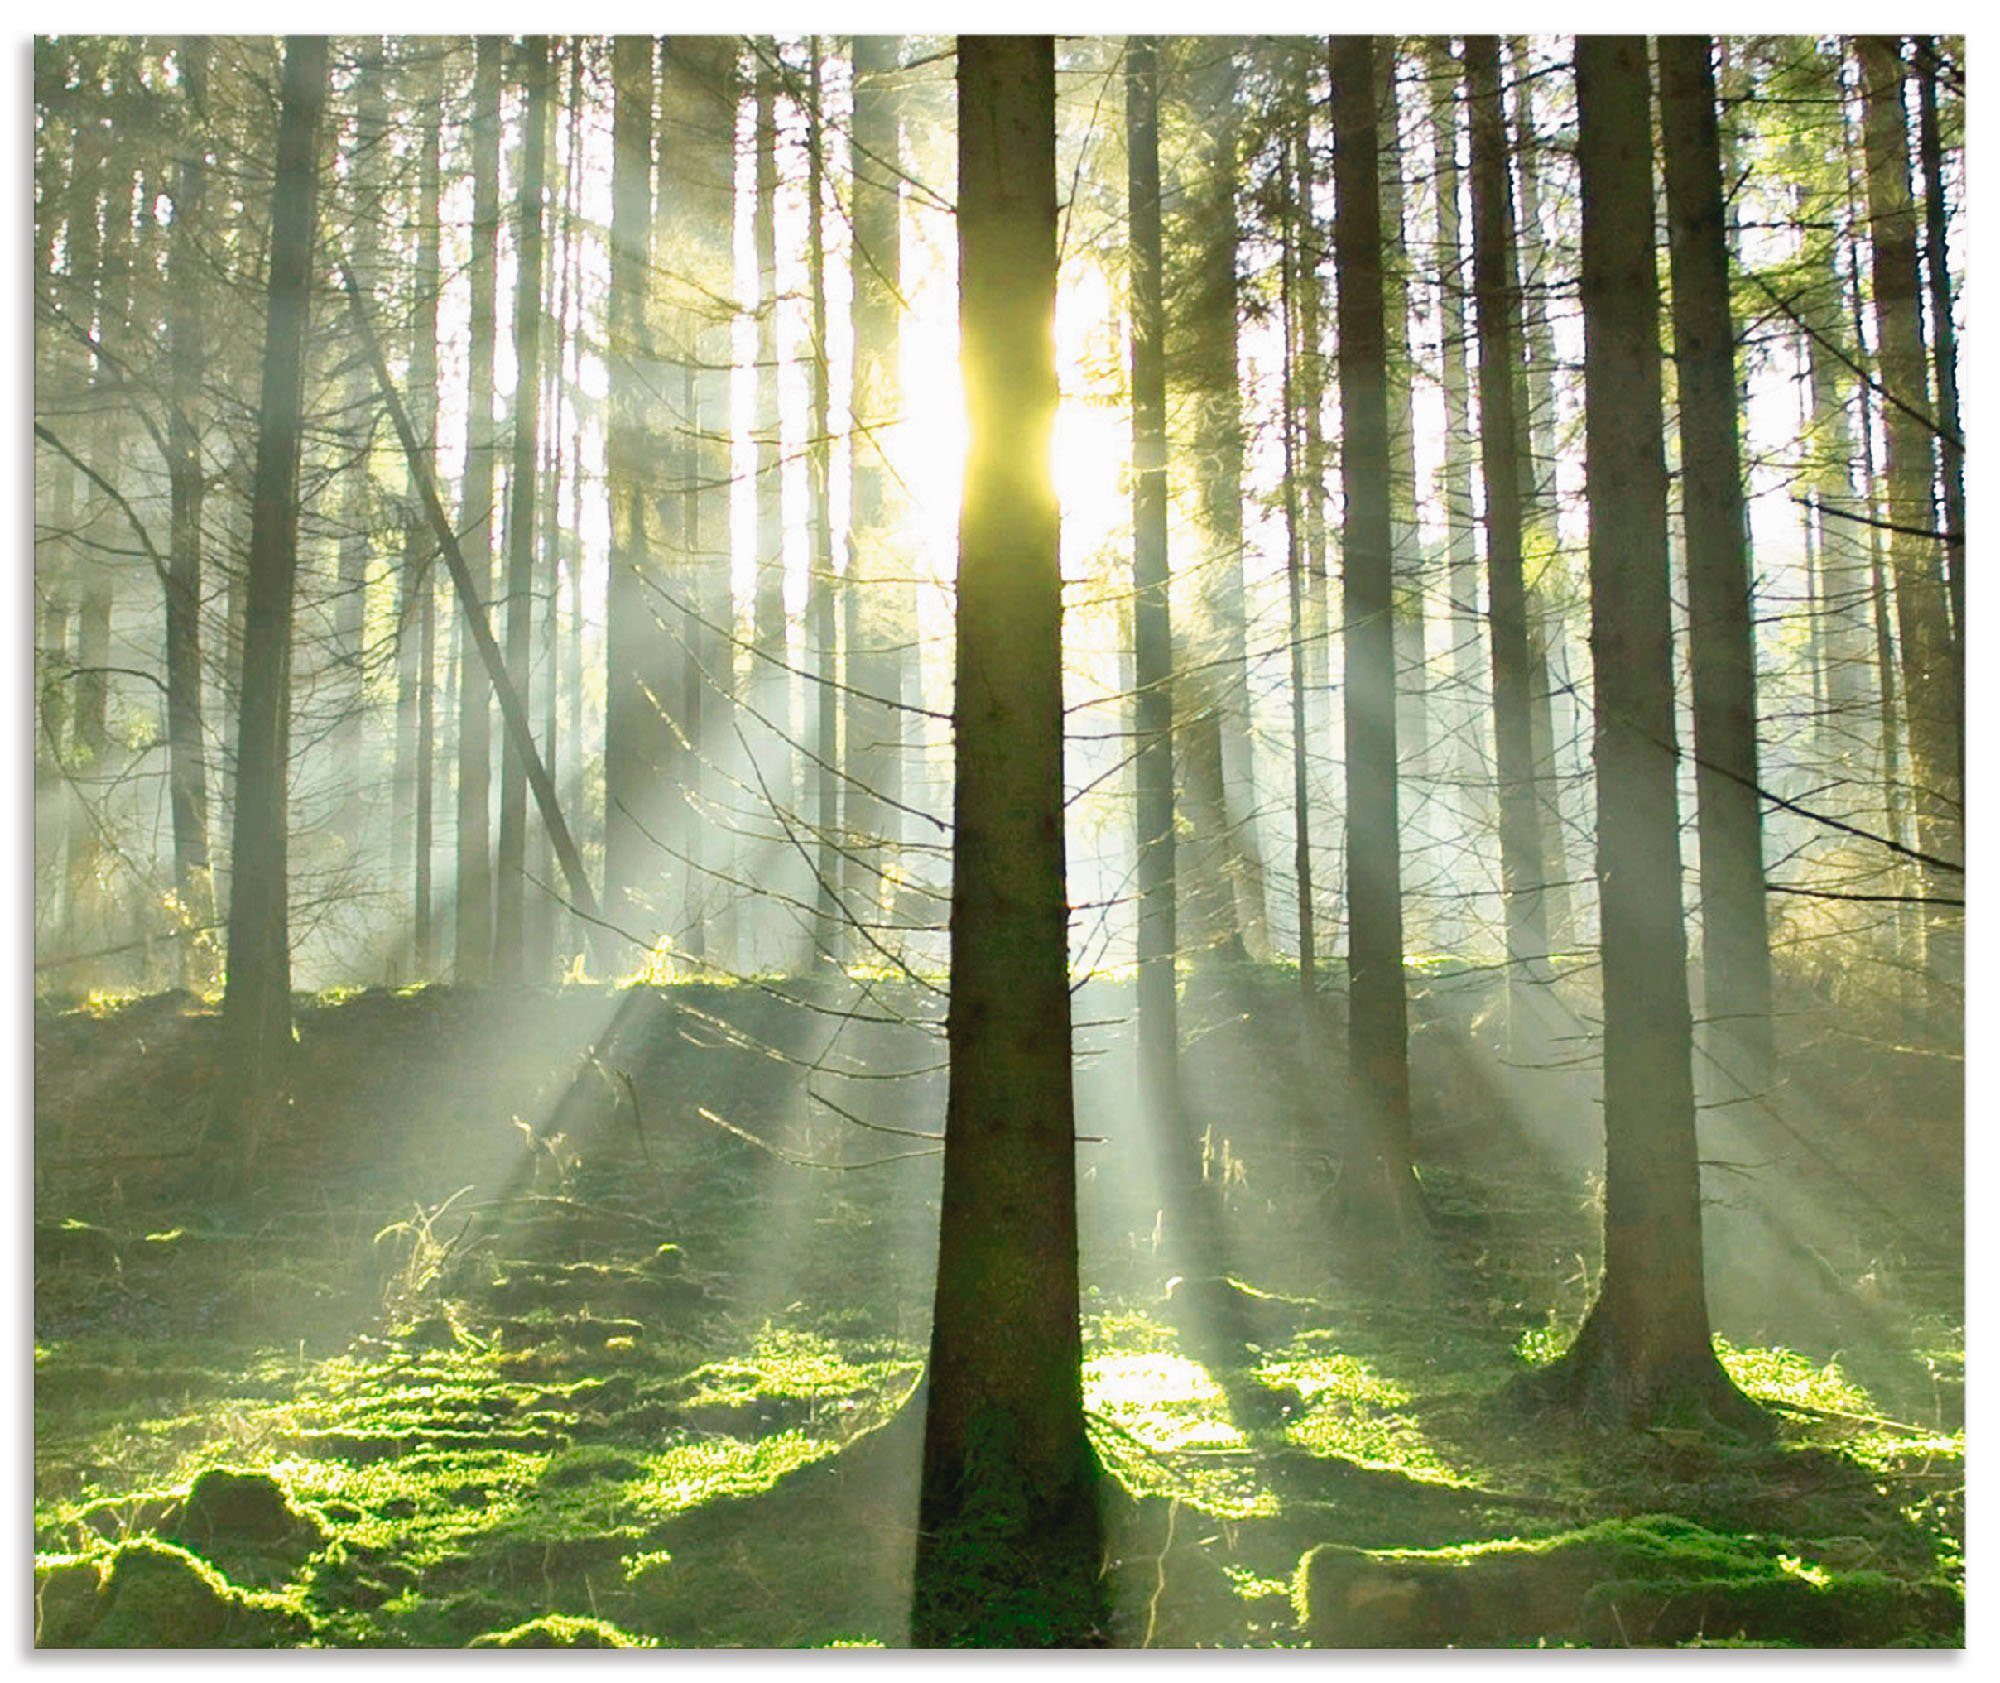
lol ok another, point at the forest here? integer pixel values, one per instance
(998, 841)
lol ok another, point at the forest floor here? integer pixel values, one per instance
(523, 1347)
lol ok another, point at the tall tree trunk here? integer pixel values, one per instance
(1472, 768)
(1944, 354)
(366, 160)
(187, 774)
(1409, 564)
(257, 996)
(641, 756)
(1932, 699)
(1377, 1006)
(474, 934)
(510, 875)
(1152, 615)
(828, 939)
(771, 677)
(1553, 718)
(416, 617)
(1010, 1538)
(1296, 213)
(1523, 856)
(1217, 446)
(881, 604)
(1736, 948)
(1644, 1349)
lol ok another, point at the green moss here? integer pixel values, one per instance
(559, 1630)
(235, 1506)
(159, 1596)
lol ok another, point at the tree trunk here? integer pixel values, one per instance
(829, 946)
(474, 938)
(880, 597)
(1932, 699)
(1736, 948)
(510, 874)
(1944, 348)
(1523, 857)
(1377, 1006)
(417, 615)
(1214, 383)
(1472, 766)
(1644, 1350)
(1010, 1538)
(1152, 615)
(257, 996)
(638, 752)
(187, 775)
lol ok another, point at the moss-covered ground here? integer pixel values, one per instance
(519, 1347)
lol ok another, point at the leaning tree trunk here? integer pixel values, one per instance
(1010, 1540)
(1377, 1004)
(257, 996)
(1735, 939)
(1644, 1351)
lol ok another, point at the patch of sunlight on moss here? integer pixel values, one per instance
(787, 1363)
(1118, 1332)
(1155, 1416)
(1353, 1412)
(689, 1473)
(1775, 1374)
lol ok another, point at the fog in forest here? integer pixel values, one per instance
(999, 841)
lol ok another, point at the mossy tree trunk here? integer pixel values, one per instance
(1011, 1537)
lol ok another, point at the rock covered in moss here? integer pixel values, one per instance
(1651, 1581)
(233, 1507)
(560, 1630)
(157, 1595)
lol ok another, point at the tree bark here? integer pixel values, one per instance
(187, 774)
(1933, 703)
(510, 876)
(1377, 1005)
(1010, 1537)
(1736, 947)
(1644, 1350)
(474, 928)
(1523, 856)
(1152, 614)
(257, 996)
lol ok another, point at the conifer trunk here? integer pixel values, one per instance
(257, 996)
(1010, 1538)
